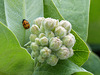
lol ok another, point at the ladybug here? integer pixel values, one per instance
(26, 24)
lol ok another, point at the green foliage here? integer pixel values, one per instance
(2, 12)
(18, 10)
(81, 51)
(76, 12)
(64, 67)
(15, 60)
(94, 24)
(80, 47)
(93, 64)
(81, 73)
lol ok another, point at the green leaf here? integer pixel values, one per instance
(94, 23)
(93, 64)
(82, 73)
(64, 67)
(14, 60)
(2, 12)
(80, 49)
(18, 10)
(77, 12)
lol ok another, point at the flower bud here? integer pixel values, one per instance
(66, 25)
(60, 31)
(68, 41)
(35, 29)
(40, 59)
(37, 41)
(50, 34)
(45, 52)
(52, 60)
(39, 20)
(51, 40)
(48, 24)
(34, 54)
(42, 30)
(34, 46)
(44, 41)
(32, 37)
(56, 22)
(41, 35)
(71, 52)
(63, 53)
(55, 44)
(71, 35)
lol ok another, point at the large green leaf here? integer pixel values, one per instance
(18, 10)
(80, 49)
(77, 12)
(65, 67)
(93, 64)
(14, 60)
(94, 24)
(2, 12)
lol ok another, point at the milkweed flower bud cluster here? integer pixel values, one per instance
(51, 40)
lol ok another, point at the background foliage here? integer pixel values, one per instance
(11, 16)
(93, 63)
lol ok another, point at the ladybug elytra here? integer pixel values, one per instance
(26, 24)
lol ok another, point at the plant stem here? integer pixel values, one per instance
(27, 43)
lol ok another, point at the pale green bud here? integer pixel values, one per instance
(71, 35)
(55, 44)
(35, 29)
(56, 23)
(34, 54)
(50, 34)
(41, 59)
(42, 30)
(32, 37)
(71, 52)
(39, 20)
(45, 52)
(63, 53)
(60, 31)
(68, 41)
(52, 60)
(44, 41)
(41, 35)
(48, 24)
(34, 46)
(51, 39)
(37, 41)
(67, 25)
